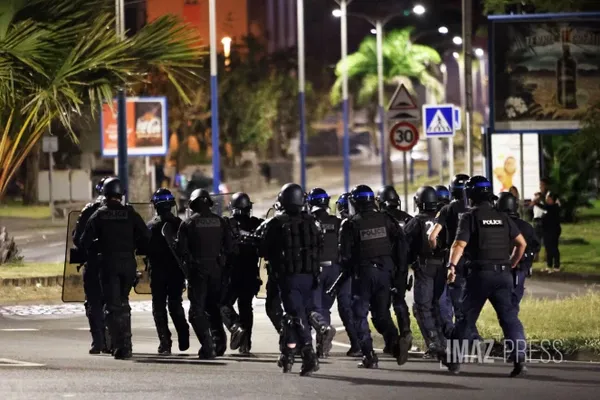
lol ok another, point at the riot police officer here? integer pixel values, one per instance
(430, 272)
(443, 196)
(389, 201)
(372, 247)
(205, 240)
(291, 244)
(342, 205)
(244, 276)
(94, 302)
(110, 238)
(167, 279)
(318, 199)
(508, 203)
(446, 223)
(489, 236)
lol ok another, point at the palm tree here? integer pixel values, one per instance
(403, 62)
(61, 57)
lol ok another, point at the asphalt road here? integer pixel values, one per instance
(44, 356)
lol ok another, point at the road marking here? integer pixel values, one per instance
(19, 330)
(7, 362)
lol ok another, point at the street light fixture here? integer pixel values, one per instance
(479, 52)
(457, 40)
(455, 55)
(374, 31)
(419, 9)
(337, 13)
(443, 30)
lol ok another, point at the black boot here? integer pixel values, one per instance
(286, 359)
(404, 346)
(207, 352)
(354, 351)
(183, 340)
(519, 370)
(310, 363)
(108, 346)
(324, 341)
(237, 336)
(165, 348)
(246, 345)
(181, 326)
(220, 341)
(369, 361)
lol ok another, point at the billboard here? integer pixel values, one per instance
(147, 133)
(545, 71)
(506, 163)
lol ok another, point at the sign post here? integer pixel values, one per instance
(403, 137)
(50, 145)
(439, 121)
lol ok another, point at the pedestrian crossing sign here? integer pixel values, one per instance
(439, 120)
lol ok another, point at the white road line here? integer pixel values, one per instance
(7, 362)
(19, 330)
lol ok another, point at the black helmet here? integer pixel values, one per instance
(507, 203)
(240, 204)
(100, 185)
(388, 197)
(457, 185)
(163, 199)
(361, 198)
(112, 188)
(200, 196)
(443, 194)
(426, 198)
(342, 204)
(478, 189)
(318, 198)
(291, 197)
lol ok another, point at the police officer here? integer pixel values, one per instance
(342, 205)
(110, 238)
(509, 204)
(205, 240)
(443, 196)
(244, 276)
(167, 279)
(94, 302)
(372, 247)
(489, 236)
(430, 271)
(446, 221)
(318, 199)
(291, 243)
(388, 201)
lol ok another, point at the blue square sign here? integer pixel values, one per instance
(438, 120)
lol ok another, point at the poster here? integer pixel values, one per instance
(146, 127)
(546, 72)
(506, 163)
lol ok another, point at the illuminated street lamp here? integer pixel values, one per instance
(419, 9)
(457, 40)
(443, 30)
(455, 55)
(479, 52)
(337, 13)
(374, 31)
(226, 41)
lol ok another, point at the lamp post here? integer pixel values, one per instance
(301, 90)
(122, 166)
(214, 97)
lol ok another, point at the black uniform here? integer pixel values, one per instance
(167, 282)
(524, 269)
(111, 237)
(94, 301)
(244, 281)
(206, 241)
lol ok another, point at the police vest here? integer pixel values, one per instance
(208, 230)
(370, 229)
(330, 226)
(300, 237)
(457, 208)
(400, 216)
(427, 223)
(492, 233)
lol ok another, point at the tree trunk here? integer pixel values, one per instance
(139, 181)
(32, 170)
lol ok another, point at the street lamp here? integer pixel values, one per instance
(226, 42)
(455, 55)
(337, 13)
(374, 31)
(419, 9)
(479, 52)
(457, 40)
(443, 30)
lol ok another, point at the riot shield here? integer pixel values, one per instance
(262, 267)
(146, 211)
(72, 288)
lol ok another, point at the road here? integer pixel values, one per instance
(44, 356)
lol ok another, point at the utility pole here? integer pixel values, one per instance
(122, 166)
(467, 9)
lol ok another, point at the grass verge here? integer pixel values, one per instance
(30, 270)
(15, 210)
(10, 295)
(580, 243)
(572, 324)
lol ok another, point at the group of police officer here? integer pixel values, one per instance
(462, 255)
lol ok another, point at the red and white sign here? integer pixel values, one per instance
(403, 106)
(404, 136)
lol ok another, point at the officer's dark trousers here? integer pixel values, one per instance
(323, 302)
(204, 293)
(552, 251)
(520, 274)
(430, 280)
(242, 289)
(94, 303)
(273, 306)
(117, 277)
(167, 283)
(451, 305)
(297, 296)
(372, 289)
(497, 287)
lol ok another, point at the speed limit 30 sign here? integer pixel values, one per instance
(404, 136)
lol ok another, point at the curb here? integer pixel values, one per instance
(32, 282)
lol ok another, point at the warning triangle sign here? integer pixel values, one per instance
(402, 100)
(439, 123)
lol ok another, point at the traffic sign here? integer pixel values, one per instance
(457, 119)
(438, 120)
(404, 136)
(50, 144)
(403, 106)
